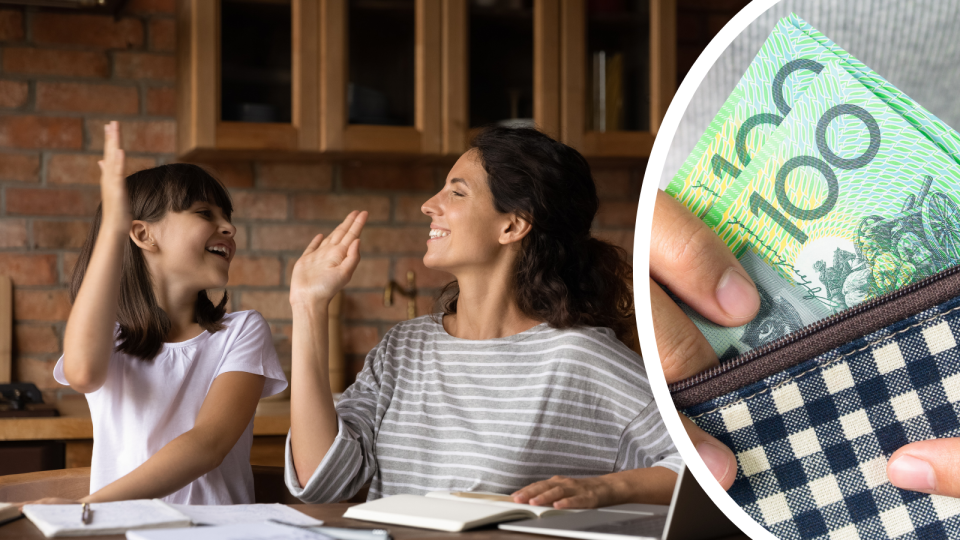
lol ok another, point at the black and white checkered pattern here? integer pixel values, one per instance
(813, 441)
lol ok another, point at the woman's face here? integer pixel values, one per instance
(465, 230)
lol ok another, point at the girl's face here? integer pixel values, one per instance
(466, 228)
(195, 246)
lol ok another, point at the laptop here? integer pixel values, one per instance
(691, 515)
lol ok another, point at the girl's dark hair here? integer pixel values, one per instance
(153, 193)
(564, 276)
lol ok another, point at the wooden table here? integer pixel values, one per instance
(331, 514)
(74, 427)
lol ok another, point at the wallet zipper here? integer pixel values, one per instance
(811, 340)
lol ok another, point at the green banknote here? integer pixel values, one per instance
(932, 127)
(846, 199)
(785, 307)
(787, 63)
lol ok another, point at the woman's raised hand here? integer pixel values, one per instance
(328, 263)
(113, 186)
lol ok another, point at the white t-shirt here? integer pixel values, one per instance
(144, 404)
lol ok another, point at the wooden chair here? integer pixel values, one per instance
(75, 483)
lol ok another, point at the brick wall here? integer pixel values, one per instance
(63, 74)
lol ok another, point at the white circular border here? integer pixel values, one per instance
(641, 265)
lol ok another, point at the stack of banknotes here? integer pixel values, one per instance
(830, 185)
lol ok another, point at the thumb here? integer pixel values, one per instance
(928, 466)
(719, 459)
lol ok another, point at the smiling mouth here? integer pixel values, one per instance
(437, 233)
(219, 250)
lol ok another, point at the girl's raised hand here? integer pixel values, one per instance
(113, 186)
(328, 263)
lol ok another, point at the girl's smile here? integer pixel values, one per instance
(188, 240)
(223, 250)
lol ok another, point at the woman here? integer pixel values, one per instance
(521, 385)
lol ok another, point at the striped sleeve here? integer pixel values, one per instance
(350, 461)
(646, 443)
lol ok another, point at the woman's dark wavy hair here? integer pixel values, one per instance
(154, 192)
(564, 276)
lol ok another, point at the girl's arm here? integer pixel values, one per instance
(224, 415)
(325, 267)
(89, 338)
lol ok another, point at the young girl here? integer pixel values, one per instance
(172, 380)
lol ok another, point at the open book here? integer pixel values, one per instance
(444, 511)
(55, 520)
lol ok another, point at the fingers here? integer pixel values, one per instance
(314, 244)
(928, 466)
(111, 139)
(349, 229)
(548, 497)
(561, 492)
(579, 500)
(113, 155)
(525, 495)
(718, 458)
(684, 351)
(356, 227)
(353, 255)
(691, 260)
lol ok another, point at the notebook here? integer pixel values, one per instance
(446, 511)
(108, 518)
(58, 520)
(8, 512)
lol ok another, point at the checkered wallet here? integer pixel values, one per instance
(814, 416)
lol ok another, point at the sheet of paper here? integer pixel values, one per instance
(244, 513)
(242, 531)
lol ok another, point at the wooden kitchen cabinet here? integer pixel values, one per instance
(621, 54)
(500, 65)
(418, 77)
(409, 122)
(248, 77)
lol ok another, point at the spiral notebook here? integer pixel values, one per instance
(59, 520)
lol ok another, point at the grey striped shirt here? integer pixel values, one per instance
(431, 412)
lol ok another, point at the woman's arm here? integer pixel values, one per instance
(224, 415)
(653, 485)
(325, 267)
(89, 338)
(642, 471)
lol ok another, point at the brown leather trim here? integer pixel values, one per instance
(824, 340)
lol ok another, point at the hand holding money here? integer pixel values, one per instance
(828, 187)
(690, 260)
